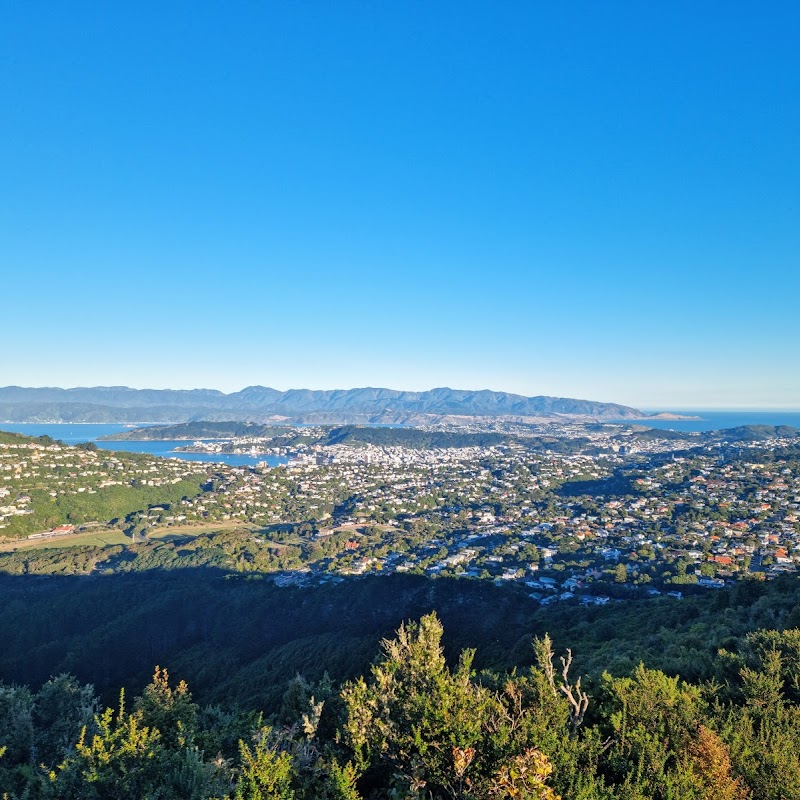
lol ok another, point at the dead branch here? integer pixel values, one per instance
(577, 698)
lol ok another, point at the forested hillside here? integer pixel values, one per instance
(419, 726)
(713, 709)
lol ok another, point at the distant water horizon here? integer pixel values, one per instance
(714, 420)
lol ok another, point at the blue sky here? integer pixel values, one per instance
(595, 200)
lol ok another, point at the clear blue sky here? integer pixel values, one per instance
(596, 200)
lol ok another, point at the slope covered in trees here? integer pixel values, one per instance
(420, 726)
(238, 638)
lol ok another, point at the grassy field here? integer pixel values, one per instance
(103, 538)
(195, 530)
(93, 538)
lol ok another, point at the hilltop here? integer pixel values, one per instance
(263, 405)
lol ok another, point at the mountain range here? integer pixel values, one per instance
(122, 404)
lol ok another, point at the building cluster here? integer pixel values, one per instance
(597, 521)
(35, 477)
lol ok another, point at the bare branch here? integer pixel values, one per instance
(577, 698)
(566, 664)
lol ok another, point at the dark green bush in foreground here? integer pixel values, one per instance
(416, 727)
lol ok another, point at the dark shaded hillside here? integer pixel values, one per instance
(690, 706)
(235, 638)
(241, 639)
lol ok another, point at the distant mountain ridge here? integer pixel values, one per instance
(261, 403)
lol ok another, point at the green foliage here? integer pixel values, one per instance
(763, 728)
(127, 755)
(121, 756)
(653, 718)
(168, 710)
(265, 773)
(419, 724)
(103, 504)
(16, 722)
(424, 726)
(419, 728)
(61, 709)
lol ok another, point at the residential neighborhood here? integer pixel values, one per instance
(597, 523)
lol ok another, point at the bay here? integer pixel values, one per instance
(71, 433)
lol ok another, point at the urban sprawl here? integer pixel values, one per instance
(618, 515)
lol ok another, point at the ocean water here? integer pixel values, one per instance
(717, 420)
(76, 434)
